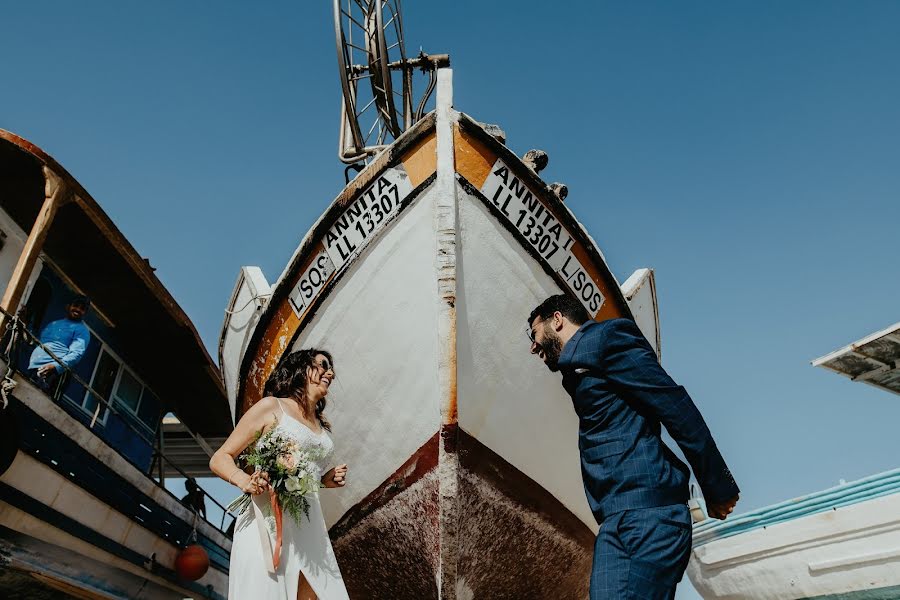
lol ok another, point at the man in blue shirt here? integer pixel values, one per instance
(66, 338)
(635, 485)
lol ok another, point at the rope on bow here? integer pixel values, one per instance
(9, 384)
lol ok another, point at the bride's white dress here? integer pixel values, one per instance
(305, 547)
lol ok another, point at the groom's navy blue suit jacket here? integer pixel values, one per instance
(622, 396)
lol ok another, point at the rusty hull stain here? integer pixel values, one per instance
(516, 540)
(486, 465)
(511, 539)
(451, 409)
(508, 552)
(388, 545)
(423, 461)
(392, 552)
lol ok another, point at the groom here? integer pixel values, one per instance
(636, 487)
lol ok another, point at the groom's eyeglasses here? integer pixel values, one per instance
(529, 333)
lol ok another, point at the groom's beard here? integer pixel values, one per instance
(552, 347)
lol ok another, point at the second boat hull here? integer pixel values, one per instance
(839, 543)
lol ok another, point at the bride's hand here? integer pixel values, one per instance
(336, 477)
(257, 483)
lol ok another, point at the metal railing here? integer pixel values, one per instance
(15, 327)
(160, 455)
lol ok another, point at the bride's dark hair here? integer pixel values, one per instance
(289, 379)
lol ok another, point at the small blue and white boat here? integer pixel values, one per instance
(840, 543)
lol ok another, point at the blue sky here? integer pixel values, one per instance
(748, 151)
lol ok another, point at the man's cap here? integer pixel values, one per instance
(81, 300)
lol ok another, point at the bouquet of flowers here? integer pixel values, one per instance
(292, 474)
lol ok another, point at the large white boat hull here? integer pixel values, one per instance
(464, 471)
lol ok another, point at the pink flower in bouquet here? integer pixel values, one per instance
(288, 461)
(292, 471)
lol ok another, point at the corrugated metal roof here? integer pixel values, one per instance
(161, 342)
(873, 360)
(187, 451)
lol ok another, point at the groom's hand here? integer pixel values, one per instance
(720, 510)
(336, 477)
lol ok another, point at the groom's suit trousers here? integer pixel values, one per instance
(641, 554)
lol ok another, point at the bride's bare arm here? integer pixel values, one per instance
(260, 417)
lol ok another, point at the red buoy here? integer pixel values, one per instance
(192, 563)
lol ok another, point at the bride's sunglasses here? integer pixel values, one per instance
(326, 366)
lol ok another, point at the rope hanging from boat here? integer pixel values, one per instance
(9, 384)
(263, 297)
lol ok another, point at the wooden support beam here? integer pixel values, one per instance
(55, 195)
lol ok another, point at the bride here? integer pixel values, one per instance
(307, 569)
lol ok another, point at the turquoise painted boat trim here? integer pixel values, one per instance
(862, 490)
(888, 593)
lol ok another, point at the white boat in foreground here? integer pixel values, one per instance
(465, 479)
(842, 542)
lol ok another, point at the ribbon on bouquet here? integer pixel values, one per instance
(272, 556)
(279, 529)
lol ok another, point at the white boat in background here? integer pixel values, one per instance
(842, 542)
(419, 278)
(84, 511)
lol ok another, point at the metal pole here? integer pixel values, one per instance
(54, 196)
(162, 468)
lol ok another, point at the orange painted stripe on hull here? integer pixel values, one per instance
(421, 160)
(420, 163)
(474, 161)
(279, 333)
